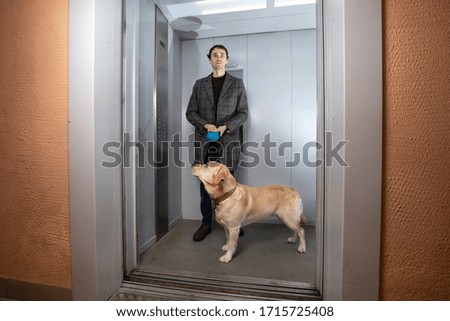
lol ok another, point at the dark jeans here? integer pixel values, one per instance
(205, 201)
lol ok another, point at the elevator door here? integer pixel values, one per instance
(140, 55)
(146, 59)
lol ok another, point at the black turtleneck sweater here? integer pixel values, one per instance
(217, 84)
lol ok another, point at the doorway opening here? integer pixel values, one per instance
(274, 51)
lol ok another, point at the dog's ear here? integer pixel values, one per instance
(219, 176)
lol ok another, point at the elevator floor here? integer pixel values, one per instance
(262, 253)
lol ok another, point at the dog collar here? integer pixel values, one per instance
(223, 197)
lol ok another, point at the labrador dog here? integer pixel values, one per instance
(237, 205)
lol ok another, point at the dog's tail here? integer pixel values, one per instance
(303, 219)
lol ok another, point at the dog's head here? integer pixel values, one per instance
(215, 176)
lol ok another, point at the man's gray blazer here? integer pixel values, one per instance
(232, 111)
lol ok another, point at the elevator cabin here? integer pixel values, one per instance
(273, 49)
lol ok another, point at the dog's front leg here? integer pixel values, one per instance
(227, 235)
(231, 244)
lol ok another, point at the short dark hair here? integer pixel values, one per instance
(217, 47)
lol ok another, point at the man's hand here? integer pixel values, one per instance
(211, 128)
(222, 129)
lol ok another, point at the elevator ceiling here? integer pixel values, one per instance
(215, 18)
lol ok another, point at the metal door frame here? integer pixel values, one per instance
(352, 195)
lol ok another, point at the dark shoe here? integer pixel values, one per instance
(241, 232)
(202, 232)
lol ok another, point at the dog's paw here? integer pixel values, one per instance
(225, 258)
(291, 240)
(301, 249)
(225, 248)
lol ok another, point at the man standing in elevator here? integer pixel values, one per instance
(217, 109)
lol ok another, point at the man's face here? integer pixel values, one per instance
(218, 58)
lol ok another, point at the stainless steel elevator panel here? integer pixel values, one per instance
(161, 134)
(138, 124)
(282, 109)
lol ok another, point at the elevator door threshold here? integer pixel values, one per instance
(161, 286)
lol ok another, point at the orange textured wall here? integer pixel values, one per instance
(34, 174)
(416, 217)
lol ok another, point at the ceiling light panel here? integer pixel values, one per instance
(207, 7)
(287, 3)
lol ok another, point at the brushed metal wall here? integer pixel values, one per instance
(281, 87)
